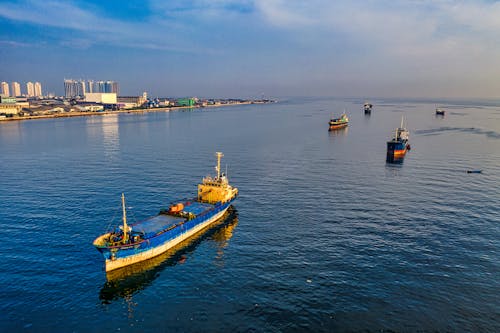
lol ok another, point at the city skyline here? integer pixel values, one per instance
(247, 48)
(33, 89)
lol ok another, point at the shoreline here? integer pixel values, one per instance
(104, 113)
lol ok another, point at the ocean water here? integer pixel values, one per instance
(324, 237)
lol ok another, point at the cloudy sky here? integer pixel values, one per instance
(229, 48)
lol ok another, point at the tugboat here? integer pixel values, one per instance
(398, 145)
(439, 112)
(337, 123)
(128, 244)
(368, 108)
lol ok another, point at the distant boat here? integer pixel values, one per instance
(474, 171)
(368, 107)
(398, 145)
(128, 244)
(439, 112)
(337, 123)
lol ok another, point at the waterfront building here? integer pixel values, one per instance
(102, 98)
(8, 100)
(128, 102)
(9, 106)
(164, 103)
(38, 89)
(4, 89)
(30, 89)
(186, 102)
(89, 107)
(16, 89)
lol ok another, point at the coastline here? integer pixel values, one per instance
(104, 113)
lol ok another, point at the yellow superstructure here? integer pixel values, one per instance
(213, 190)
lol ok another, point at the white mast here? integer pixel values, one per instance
(125, 227)
(219, 155)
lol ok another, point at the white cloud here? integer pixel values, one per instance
(93, 29)
(11, 43)
(420, 39)
(282, 13)
(50, 13)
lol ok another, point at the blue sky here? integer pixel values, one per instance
(225, 48)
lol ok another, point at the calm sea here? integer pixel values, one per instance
(324, 237)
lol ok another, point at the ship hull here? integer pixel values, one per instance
(337, 126)
(121, 256)
(396, 150)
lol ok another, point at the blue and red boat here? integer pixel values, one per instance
(128, 244)
(398, 146)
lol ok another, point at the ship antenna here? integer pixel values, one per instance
(125, 227)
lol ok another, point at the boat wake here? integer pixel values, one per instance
(472, 130)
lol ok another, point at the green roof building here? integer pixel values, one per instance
(185, 101)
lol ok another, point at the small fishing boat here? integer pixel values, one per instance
(439, 112)
(398, 145)
(128, 244)
(337, 123)
(368, 108)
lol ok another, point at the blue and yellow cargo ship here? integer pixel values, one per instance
(128, 244)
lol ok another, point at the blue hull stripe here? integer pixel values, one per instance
(162, 238)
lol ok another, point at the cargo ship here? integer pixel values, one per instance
(128, 244)
(368, 108)
(127, 280)
(398, 145)
(336, 123)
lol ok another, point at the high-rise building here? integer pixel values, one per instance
(38, 89)
(73, 88)
(4, 89)
(16, 89)
(100, 87)
(114, 87)
(30, 89)
(90, 86)
(111, 87)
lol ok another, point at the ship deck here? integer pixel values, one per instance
(152, 225)
(196, 207)
(156, 223)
